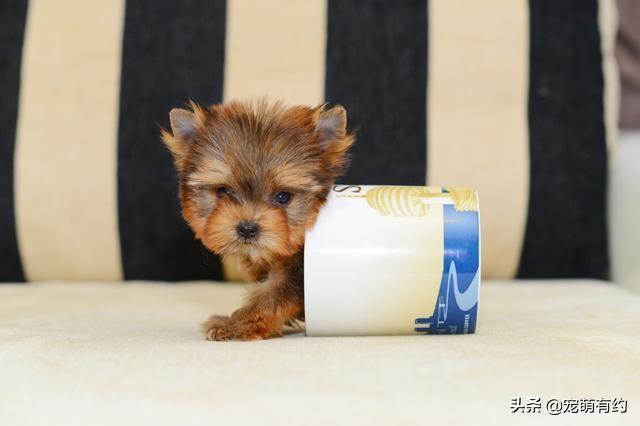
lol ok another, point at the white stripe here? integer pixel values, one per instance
(66, 153)
(276, 49)
(477, 116)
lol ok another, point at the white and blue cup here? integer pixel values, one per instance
(385, 260)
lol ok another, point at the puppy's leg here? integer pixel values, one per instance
(273, 303)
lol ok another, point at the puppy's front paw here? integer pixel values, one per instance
(219, 328)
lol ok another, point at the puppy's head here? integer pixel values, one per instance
(253, 176)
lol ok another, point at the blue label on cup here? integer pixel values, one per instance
(457, 303)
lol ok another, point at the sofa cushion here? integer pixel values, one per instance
(508, 97)
(132, 355)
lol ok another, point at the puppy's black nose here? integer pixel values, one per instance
(247, 229)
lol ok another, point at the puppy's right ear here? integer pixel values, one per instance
(185, 125)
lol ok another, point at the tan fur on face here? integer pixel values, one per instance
(254, 151)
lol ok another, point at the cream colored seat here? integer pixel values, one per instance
(131, 354)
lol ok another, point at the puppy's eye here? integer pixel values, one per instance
(282, 198)
(223, 191)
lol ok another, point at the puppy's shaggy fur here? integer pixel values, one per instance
(253, 177)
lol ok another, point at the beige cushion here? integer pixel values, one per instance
(132, 355)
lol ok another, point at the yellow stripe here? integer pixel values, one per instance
(477, 115)
(276, 49)
(66, 182)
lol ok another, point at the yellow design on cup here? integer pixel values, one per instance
(405, 201)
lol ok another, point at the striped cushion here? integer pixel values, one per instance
(508, 96)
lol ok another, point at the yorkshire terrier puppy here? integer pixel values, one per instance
(252, 179)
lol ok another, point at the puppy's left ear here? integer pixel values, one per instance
(331, 126)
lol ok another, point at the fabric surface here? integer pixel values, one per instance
(65, 160)
(506, 96)
(566, 225)
(460, 82)
(172, 51)
(132, 355)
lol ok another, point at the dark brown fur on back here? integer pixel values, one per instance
(235, 161)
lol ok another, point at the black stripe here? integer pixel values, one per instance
(172, 51)
(377, 69)
(13, 15)
(566, 232)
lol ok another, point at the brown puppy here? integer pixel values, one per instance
(253, 177)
